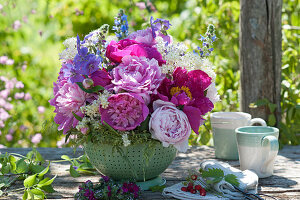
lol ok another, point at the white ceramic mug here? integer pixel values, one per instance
(258, 148)
(223, 126)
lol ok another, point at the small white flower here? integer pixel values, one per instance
(126, 141)
(71, 49)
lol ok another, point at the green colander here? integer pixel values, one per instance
(130, 162)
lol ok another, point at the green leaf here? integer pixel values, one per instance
(12, 161)
(46, 181)
(76, 116)
(110, 128)
(30, 180)
(157, 188)
(1, 193)
(37, 168)
(212, 173)
(42, 173)
(25, 195)
(2, 185)
(91, 90)
(232, 179)
(65, 157)
(272, 107)
(38, 193)
(48, 188)
(145, 124)
(73, 172)
(271, 120)
(5, 169)
(261, 102)
(21, 166)
(39, 157)
(30, 154)
(69, 133)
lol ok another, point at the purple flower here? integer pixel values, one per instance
(36, 138)
(41, 109)
(27, 96)
(68, 99)
(101, 77)
(3, 115)
(9, 137)
(125, 111)
(85, 63)
(137, 74)
(143, 36)
(16, 25)
(105, 178)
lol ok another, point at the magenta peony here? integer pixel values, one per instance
(187, 89)
(115, 51)
(170, 125)
(125, 111)
(137, 74)
(101, 77)
(69, 98)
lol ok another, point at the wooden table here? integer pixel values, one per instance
(284, 184)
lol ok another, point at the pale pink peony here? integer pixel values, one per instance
(137, 74)
(125, 111)
(69, 98)
(170, 126)
(143, 36)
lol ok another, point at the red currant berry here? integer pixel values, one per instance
(198, 187)
(189, 188)
(193, 191)
(194, 177)
(184, 189)
(191, 184)
(202, 192)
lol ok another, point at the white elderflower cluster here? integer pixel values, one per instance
(103, 98)
(71, 49)
(92, 39)
(82, 124)
(126, 141)
(92, 110)
(176, 55)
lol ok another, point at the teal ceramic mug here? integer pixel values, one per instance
(258, 148)
(223, 127)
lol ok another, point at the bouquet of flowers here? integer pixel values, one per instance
(134, 87)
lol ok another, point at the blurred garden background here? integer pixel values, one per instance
(31, 36)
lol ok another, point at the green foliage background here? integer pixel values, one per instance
(38, 42)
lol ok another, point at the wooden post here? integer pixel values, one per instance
(260, 55)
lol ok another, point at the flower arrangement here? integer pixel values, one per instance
(134, 87)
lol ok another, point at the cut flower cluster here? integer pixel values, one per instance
(139, 80)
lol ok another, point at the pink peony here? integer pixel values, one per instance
(115, 51)
(170, 126)
(137, 74)
(69, 98)
(125, 111)
(143, 36)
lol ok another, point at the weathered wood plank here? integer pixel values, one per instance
(260, 55)
(284, 184)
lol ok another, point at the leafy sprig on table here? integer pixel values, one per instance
(30, 169)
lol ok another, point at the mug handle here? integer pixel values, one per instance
(259, 121)
(271, 142)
